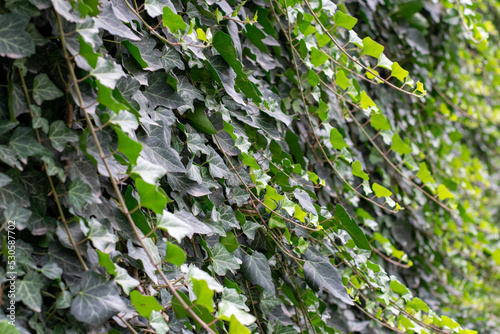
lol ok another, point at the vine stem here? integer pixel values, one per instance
(52, 187)
(117, 189)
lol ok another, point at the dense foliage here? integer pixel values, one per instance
(281, 166)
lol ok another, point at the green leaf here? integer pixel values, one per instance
(7, 328)
(337, 140)
(444, 193)
(350, 225)
(399, 288)
(380, 122)
(341, 80)
(29, 291)
(101, 237)
(80, 194)
(372, 48)
(44, 89)
(204, 295)
(345, 20)
(366, 101)
(312, 77)
(13, 193)
(399, 145)
(173, 21)
(175, 254)
(223, 43)
(398, 72)
(255, 268)
(144, 304)
(127, 121)
(60, 135)
(318, 57)
(15, 42)
(381, 191)
(222, 260)
(175, 226)
(199, 120)
(230, 242)
(424, 175)
(235, 326)
(228, 310)
(151, 196)
(448, 322)
(321, 274)
(357, 170)
(25, 145)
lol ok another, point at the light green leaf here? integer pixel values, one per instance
(337, 140)
(357, 170)
(312, 77)
(399, 145)
(318, 57)
(227, 310)
(381, 191)
(175, 254)
(398, 72)
(144, 304)
(372, 48)
(173, 21)
(444, 193)
(366, 101)
(345, 20)
(44, 89)
(380, 122)
(151, 196)
(424, 175)
(399, 288)
(341, 80)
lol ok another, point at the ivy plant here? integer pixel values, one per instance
(243, 167)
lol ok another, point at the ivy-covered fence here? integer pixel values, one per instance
(280, 166)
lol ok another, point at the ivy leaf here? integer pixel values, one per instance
(80, 194)
(28, 291)
(337, 140)
(157, 321)
(424, 175)
(379, 122)
(444, 193)
(97, 300)
(223, 43)
(4, 180)
(398, 72)
(151, 196)
(341, 80)
(100, 236)
(372, 48)
(159, 92)
(381, 191)
(44, 89)
(181, 183)
(145, 305)
(305, 200)
(350, 225)
(173, 21)
(222, 260)
(345, 20)
(156, 149)
(399, 145)
(60, 135)
(229, 311)
(51, 271)
(107, 72)
(357, 170)
(321, 274)
(216, 165)
(7, 328)
(15, 42)
(25, 145)
(255, 268)
(126, 120)
(318, 57)
(174, 225)
(175, 254)
(13, 193)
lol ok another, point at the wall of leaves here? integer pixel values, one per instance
(278, 166)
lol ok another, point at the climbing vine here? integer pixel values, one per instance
(233, 166)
